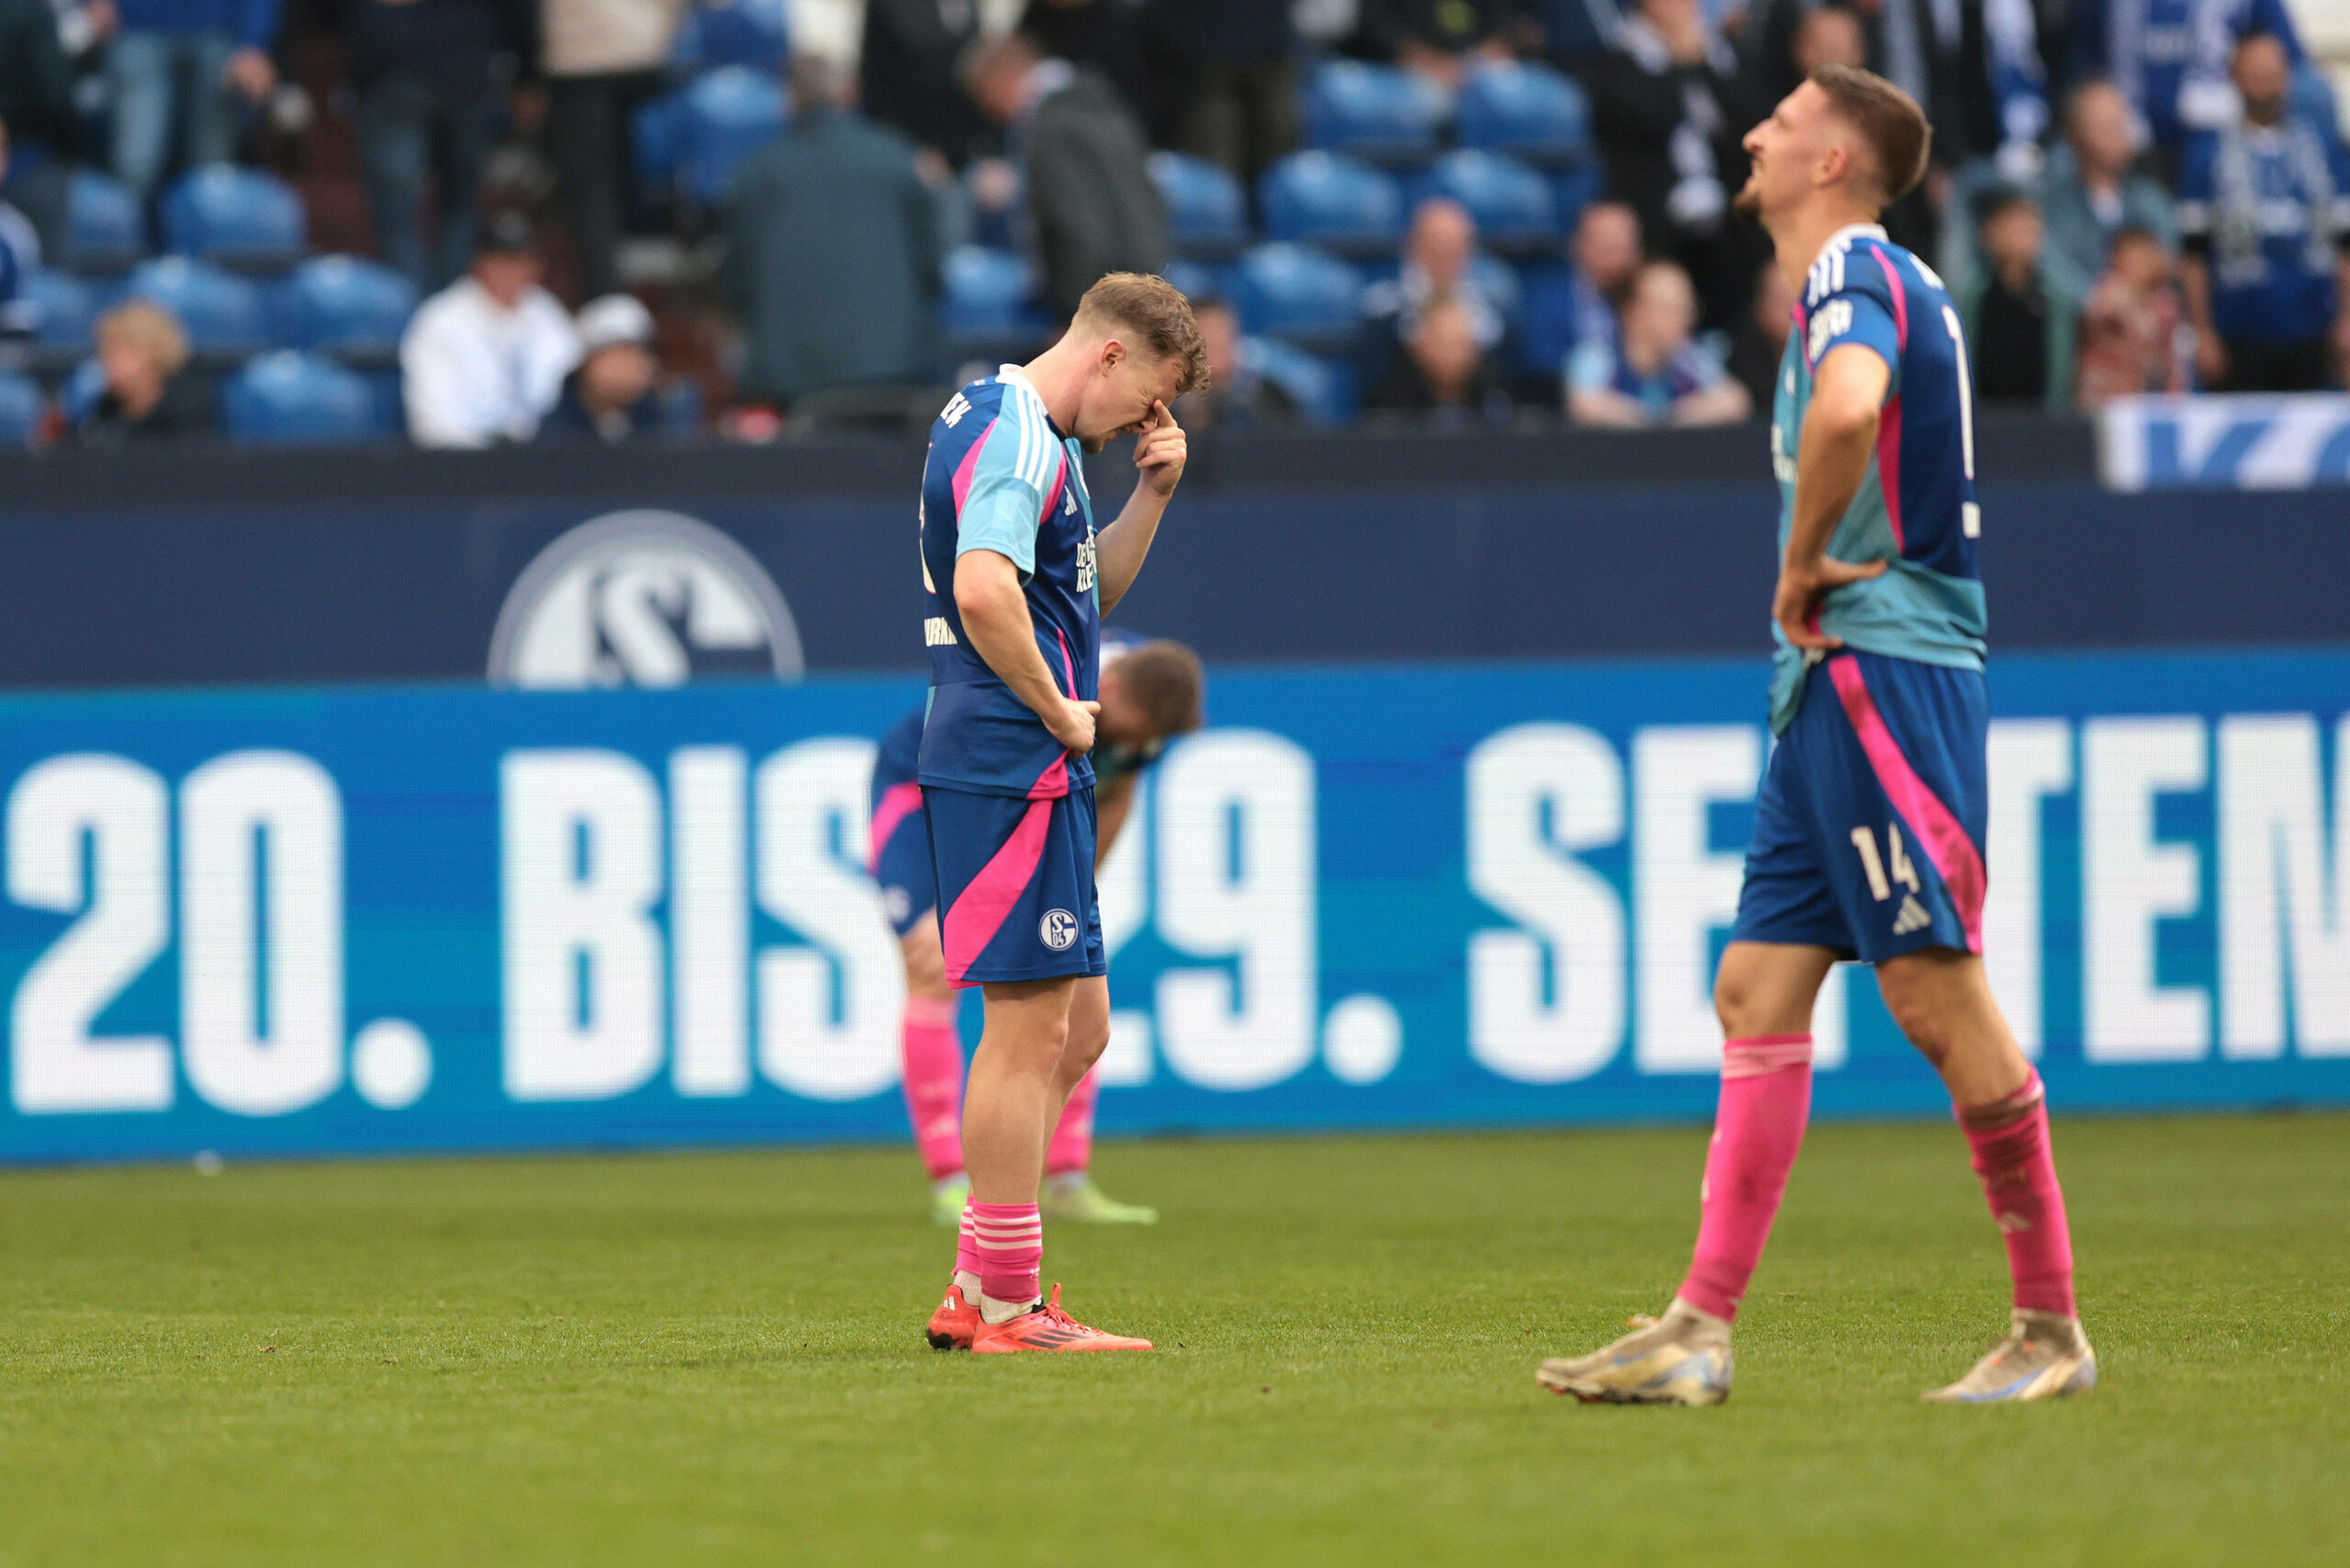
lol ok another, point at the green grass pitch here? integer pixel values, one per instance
(699, 1359)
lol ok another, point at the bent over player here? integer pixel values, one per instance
(1150, 692)
(1869, 833)
(1015, 582)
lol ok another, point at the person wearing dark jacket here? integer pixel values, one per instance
(614, 395)
(150, 398)
(906, 74)
(1091, 198)
(427, 73)
(833, 260)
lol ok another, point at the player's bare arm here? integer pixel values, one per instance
(1831, 459)
(1160, 451)
(1112, 802)
(996, 620)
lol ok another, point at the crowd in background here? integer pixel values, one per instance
(2126, 195)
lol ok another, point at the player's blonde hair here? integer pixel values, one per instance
(1154, 311)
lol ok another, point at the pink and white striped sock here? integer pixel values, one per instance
(967, 1255)
(1009, 1239)
(1072, 1146)
(1765, 1100)
(931, 1056)
(2009, 1139)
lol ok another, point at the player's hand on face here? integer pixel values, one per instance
(1801, 587)
(1161, 451)
(1074, 727)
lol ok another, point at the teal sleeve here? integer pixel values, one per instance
(1003, 510)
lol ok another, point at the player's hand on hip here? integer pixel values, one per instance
(1073, 726)
(1161, 451)
(1802, 584)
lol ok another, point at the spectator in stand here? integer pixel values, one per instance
(1439, 40)
(19, 254)
(2020, 321)
(484, 360)
(1100, 36)
(1660, 104)
(1661, 375)
(2130, 329)
(1236, 397)
(1443, 375)
(907, 75)
(1758, 348)
(1227, 93)
(614, 396)
(2265, 208)
(602, 59)
(1579, 306)
(183, 73)
(38, 52)
(1091, 201)
(832, 252)
(427, 73)
(150, 396)
(2172, 59)
(1438, 250)
(2091, 191)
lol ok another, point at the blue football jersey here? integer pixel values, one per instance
(1000, 475)
(1916, 506)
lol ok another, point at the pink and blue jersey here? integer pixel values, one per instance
(1916, 508)
(1000, 475)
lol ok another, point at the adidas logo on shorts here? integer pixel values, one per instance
(1913, 916)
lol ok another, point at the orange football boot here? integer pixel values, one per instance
(952, 1326)
(1047, 1328)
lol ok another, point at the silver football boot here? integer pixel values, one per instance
(1682, 1357)
(2044, 1356)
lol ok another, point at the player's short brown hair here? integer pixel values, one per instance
(1154, 310)
(1888, 119)
(1164, 679)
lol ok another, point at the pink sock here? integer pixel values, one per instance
(967, 1246)
(1765, 1097)
(1072, 1145)
(2009, 1139)
(932, 1055)
(1009, 1241)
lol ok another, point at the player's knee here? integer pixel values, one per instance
(1923, 1024)
(1736, 1004)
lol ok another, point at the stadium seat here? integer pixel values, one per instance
(1516, 212)
(1338, 202)
(655, 133)
(220, 312)
(104, 232)
(1321, 388)
(1574, 188)
(1526, 111)
(1375, 112)
(1207, 213)
(1299, 294)
(340, 305)
(733, 32)
(1498, 282)
(21, 410)
(290, 398)
(726, 117)
(988, 306)
(235, 218)
(1201, 280)
(63, 307)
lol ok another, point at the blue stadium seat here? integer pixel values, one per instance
(1376, 112)
(1207, 213)
(1322, 390)
(1201, 280)
(292, 399)
(1296, 291)
(220, 312)
(235, 218)
(656, 134)
(104, 232)
(1574, 188)
(21, 410)
(1526, 111)
(340, 305)
(63, 308)
(733, 32)
(988, 305)
(727, 116)
(1516, 211)
(1498, 281)
(1338, 202)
